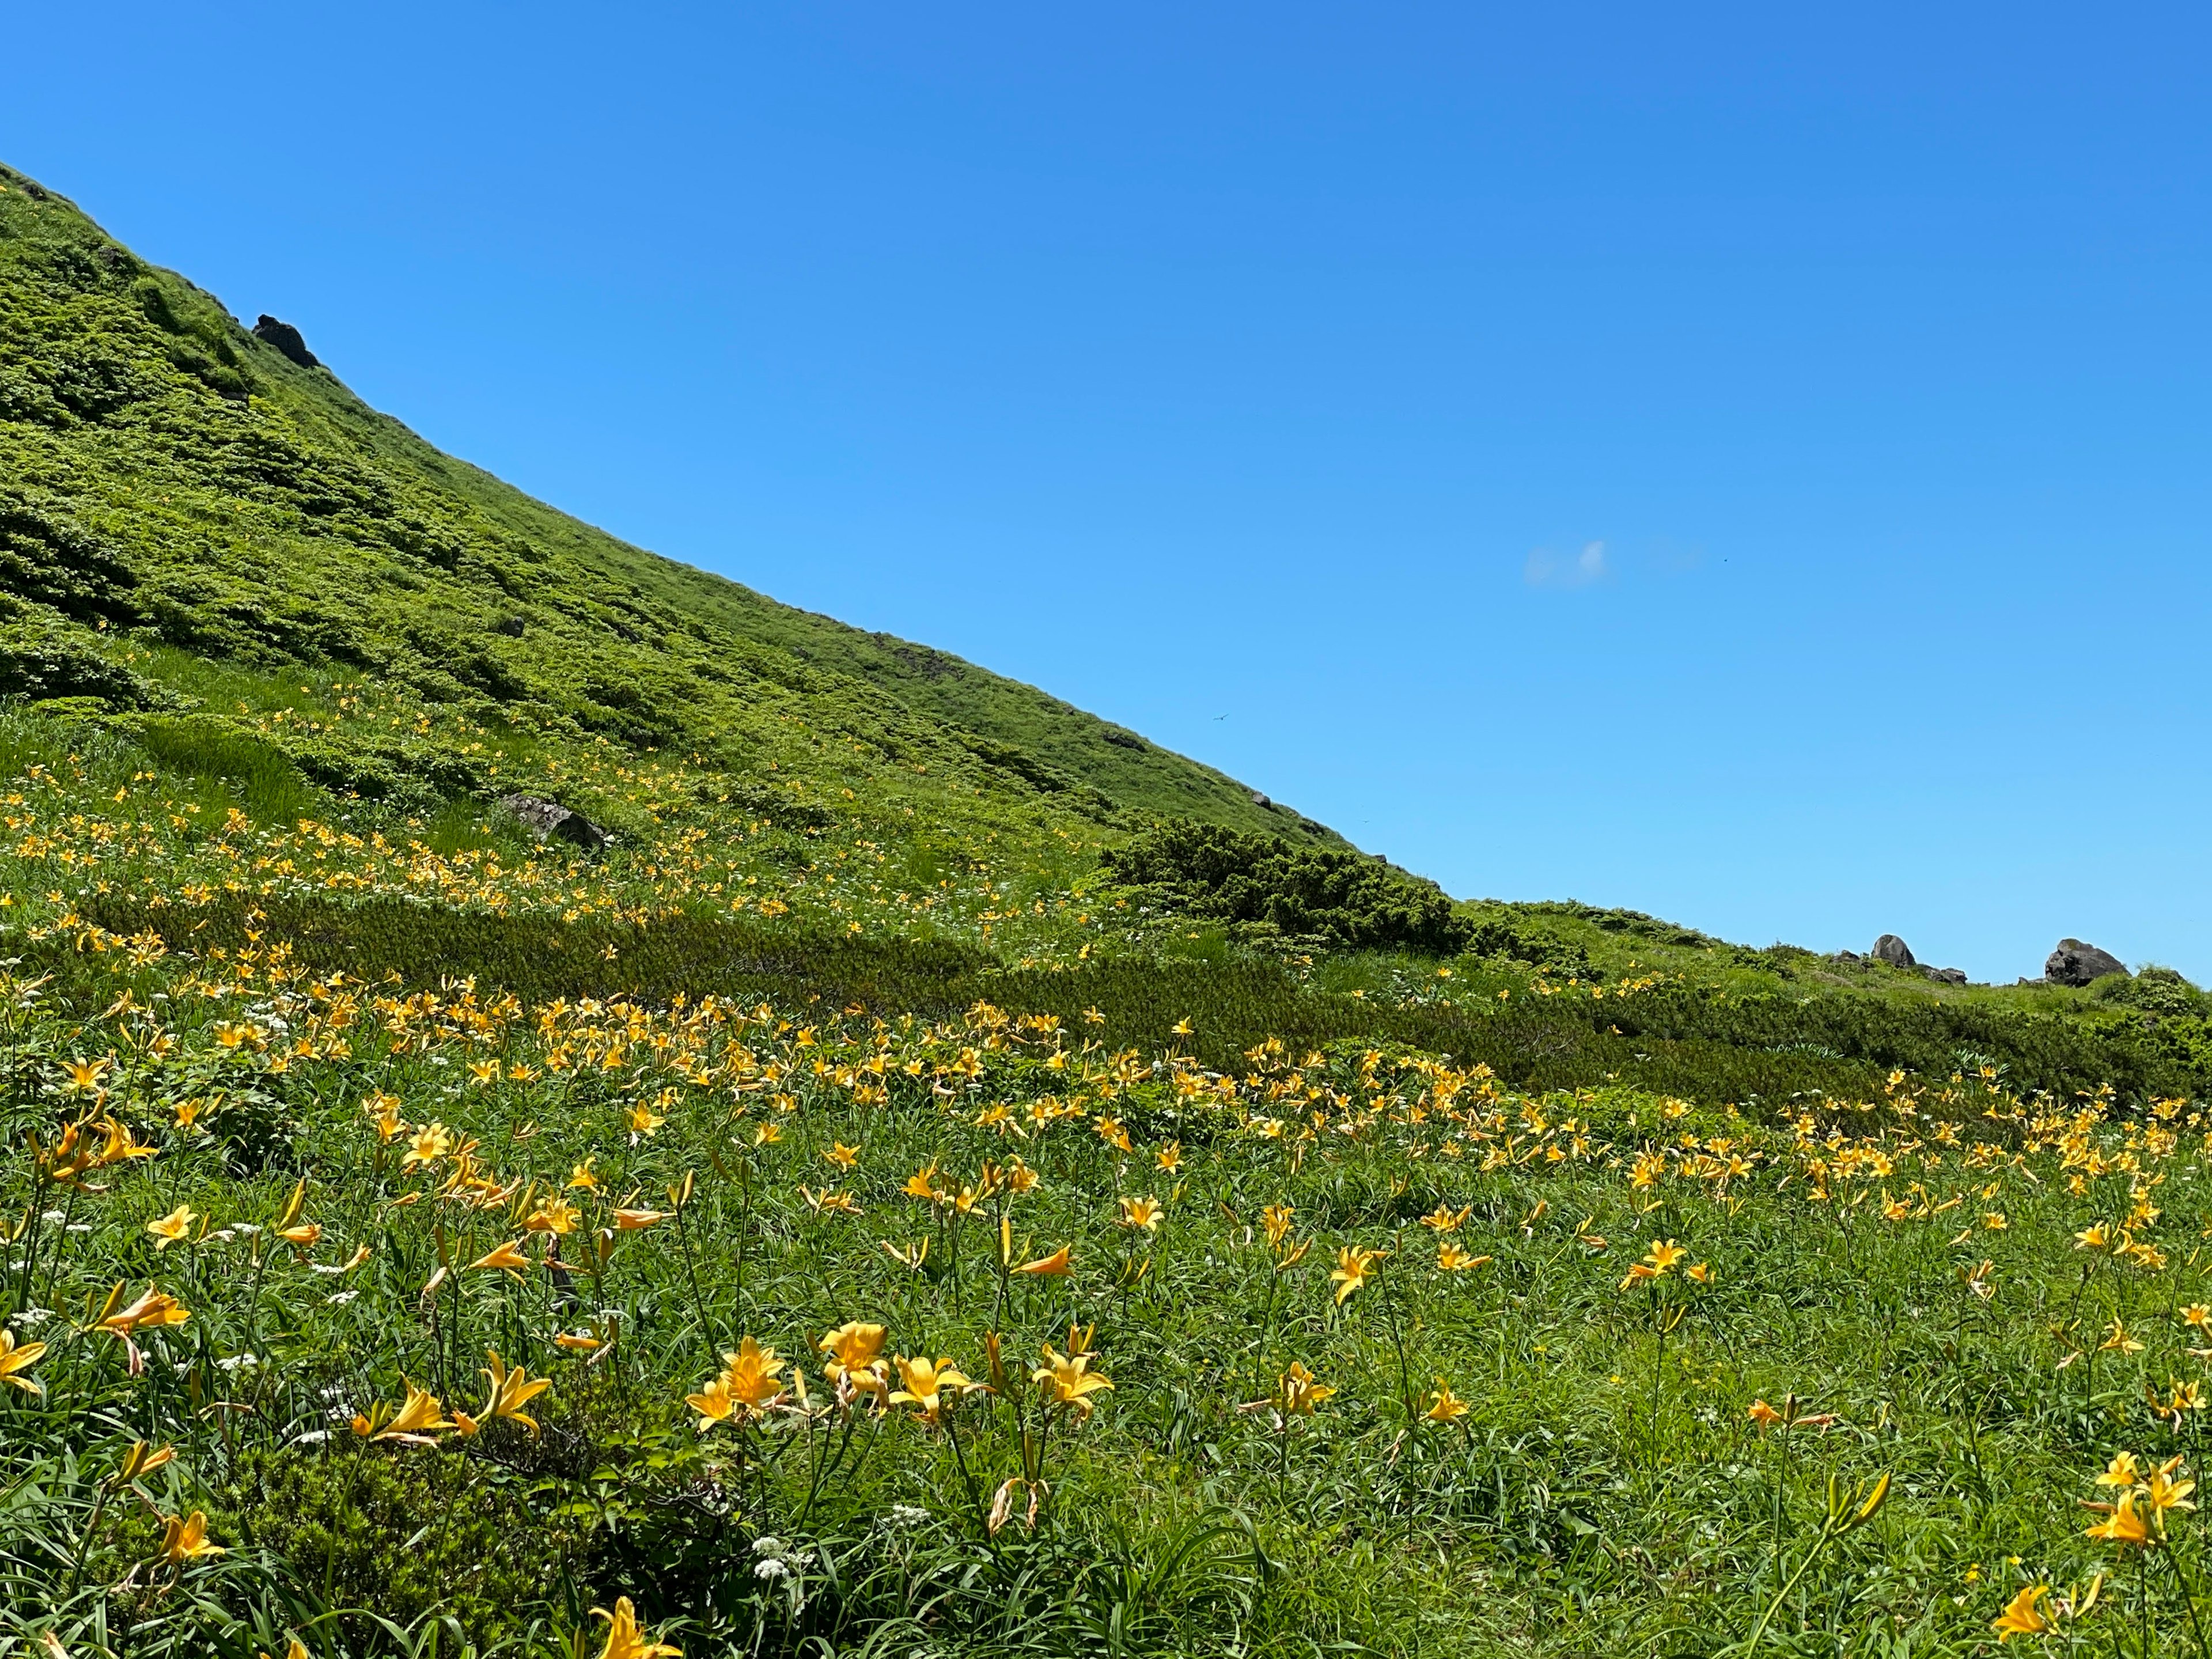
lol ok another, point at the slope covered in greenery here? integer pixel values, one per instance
(947, 1178)
(165, 470)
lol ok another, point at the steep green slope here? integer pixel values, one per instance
(164, 471)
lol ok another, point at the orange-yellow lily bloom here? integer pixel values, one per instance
(625, 1639)
(2021, 1617)
(185, 1539)
(512, 1389)
(929, 1385)
(16, 1358)
(509, 1255)
(172, 1227)
(1067, 1380)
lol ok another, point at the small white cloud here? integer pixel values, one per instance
(1546, 569)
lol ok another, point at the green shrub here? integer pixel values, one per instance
(40, 661)
(1534, 945)
(402, 1535)
(47, 557)
(1347, 898)
(2155, 991)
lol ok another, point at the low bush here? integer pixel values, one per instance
(1345, 898)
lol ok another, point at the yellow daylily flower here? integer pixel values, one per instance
(1354, 1267)
(185, 1538)
(417, 1421)
(714, 1403)
(1297, 1392)
(1444, 1406)
(929, 1385)
(2166, 1489)
(752, 1375)
(1145, 1212)
(747, 1384)
(172, 1227)
(1067, 1380)
(16, 1358)
(509, 1255)
(922, 1183)
(553, 1214)
(1055, 1265)
(855, 1357)
(152, 1310)
(2122, 1526)
(119, 1146)
(626, 1640)
(2123, 1471)
(2021, 1617)
(1657, 1262)
(512, 1388)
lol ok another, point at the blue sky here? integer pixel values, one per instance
(1747, 467)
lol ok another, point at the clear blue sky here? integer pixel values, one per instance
(1742, 464)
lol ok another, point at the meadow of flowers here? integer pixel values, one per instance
(360, 1317)
(952, 1177)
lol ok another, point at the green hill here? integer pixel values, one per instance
(166, 471)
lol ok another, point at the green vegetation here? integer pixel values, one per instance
(164, 471)
(1270, 888)
(497, 1232)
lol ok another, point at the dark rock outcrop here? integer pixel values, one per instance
(287, 340)
(549, 820)
(2076, 964)
(1894, 951)
(1948, 975)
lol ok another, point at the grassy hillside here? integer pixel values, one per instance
(947, 1178)
(164, 471)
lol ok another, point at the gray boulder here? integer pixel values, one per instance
(549, 820)
(1948, 975)
(2076, 964)
(287, 340)
(1894, 951)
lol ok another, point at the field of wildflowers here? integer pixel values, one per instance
(386, 1308)
(950, 1178)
